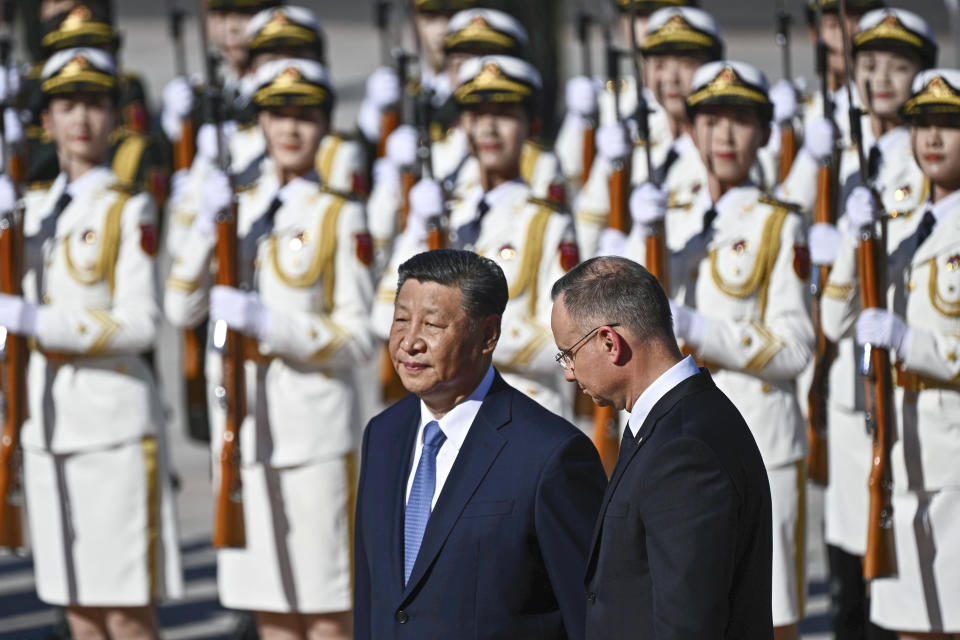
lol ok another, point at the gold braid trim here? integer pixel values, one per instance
(183, 286)
(109, 328)
(837, 291)
(771, 346)
(126, 162)
(532, 253)
(762, 267)
(109, 248)
(338, 338)
(529, 155)
(944, 307)
(323, 260)
(326, 157)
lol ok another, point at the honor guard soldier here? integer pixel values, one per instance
(922, 330)
(529, 238)
(97, 484)
(303, 310)
(890, 47)
(741, 301)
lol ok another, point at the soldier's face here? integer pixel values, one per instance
(234, 38)
(936, 146)
(884, 79)
(293, 135)
(435, 348)
(670, 79)
(496, 133)
(80, 124)
(833, 37)
(639, 28)
(728, 139)
(431, 28)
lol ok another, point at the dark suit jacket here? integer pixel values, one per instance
(505, 547)
(683, 545)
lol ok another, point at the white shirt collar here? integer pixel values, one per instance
(889, 142)
(660, 387)
(306, 182)
(86, 181)
(498, 193)
(706, 203)
(945, 207)
(456, 423)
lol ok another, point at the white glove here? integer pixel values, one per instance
(426, 201)
(613, 242)
(648, 204)
(612, 142)
(783, 95)
(207, 144)
(861, 211)
(581, 96)
(402, 146)
(688, 325)
(178, 182)
(178, 101)
(13, 127)
(9, 84)
(386, 175)
(8, 194)
(216, 196)
(820, 139)
(883, 329)
(18, 316)
(824, 240)
(241, 310)
(383, 88)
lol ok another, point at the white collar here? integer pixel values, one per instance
(456, 423)
(888, 142)
(718, 206)
(498, 193)
(79, 186)
(945, 207)
(660, 387)
(684, 144)
(307, 181)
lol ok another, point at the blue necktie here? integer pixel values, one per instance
(421, 496)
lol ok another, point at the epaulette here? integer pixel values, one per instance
(127, 157)
(39, 185)
(129, 189)
(540, 145)
(780, 204)
(558, 207)
(352, 197)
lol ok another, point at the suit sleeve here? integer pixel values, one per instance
(361, 568)
(569, 494)
(779, 346)
(689, 512)
(129, 325)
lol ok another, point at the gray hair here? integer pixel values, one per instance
(607, 290)
(480, 280)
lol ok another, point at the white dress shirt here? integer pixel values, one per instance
(660, 387)
(455, 425)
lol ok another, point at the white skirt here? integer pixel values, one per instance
(925, 596)
(102, 526)
(788, 499)
(299, 529)
(846, 501)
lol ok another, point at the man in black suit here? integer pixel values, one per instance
(475, 503)
(682, 547)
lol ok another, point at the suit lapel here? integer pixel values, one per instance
(480, 449)
(406, 440)
(666, 403)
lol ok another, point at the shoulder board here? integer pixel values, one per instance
(540, 145)
(352, 197)
(780, 204)
(549, 204)
(39, 185)
(127, 158)
(346, 136)
(125, 189)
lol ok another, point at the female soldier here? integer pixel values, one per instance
(745, 273)
(922, 329)
(303, 309)
(100, 508)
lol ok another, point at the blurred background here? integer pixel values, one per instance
(354, 50)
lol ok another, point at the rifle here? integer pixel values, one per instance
(606, 429)
(590, 131)
(437, 225)
(825, 351)
(13, 352)
(228, 526)
(788, 136)
(392, 117)
(880, 559)
(183, 149)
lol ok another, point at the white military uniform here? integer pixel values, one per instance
(100, 504)
(534, 245)
(310, 269)
(751, 289)
(903, 189)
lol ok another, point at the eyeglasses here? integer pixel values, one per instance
(565, 358)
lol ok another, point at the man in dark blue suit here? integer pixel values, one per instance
(475, 504)
(682, 548)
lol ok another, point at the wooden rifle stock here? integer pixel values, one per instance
(13, 357)
(825, 351)
(589, 152)
(185, 148)
(880, 559)
(228, 528)
(788, 151)
(391, 120)
(407, 180)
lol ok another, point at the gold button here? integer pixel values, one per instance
(81, 329)
(508, 253)
(766, 388)
(911, 285)
(952, 356)
(514, 332)
(47, 299)
(89, 236)
(746, 341)
(899, 194)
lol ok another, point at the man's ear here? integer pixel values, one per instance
(490, 328)
(614, 345)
